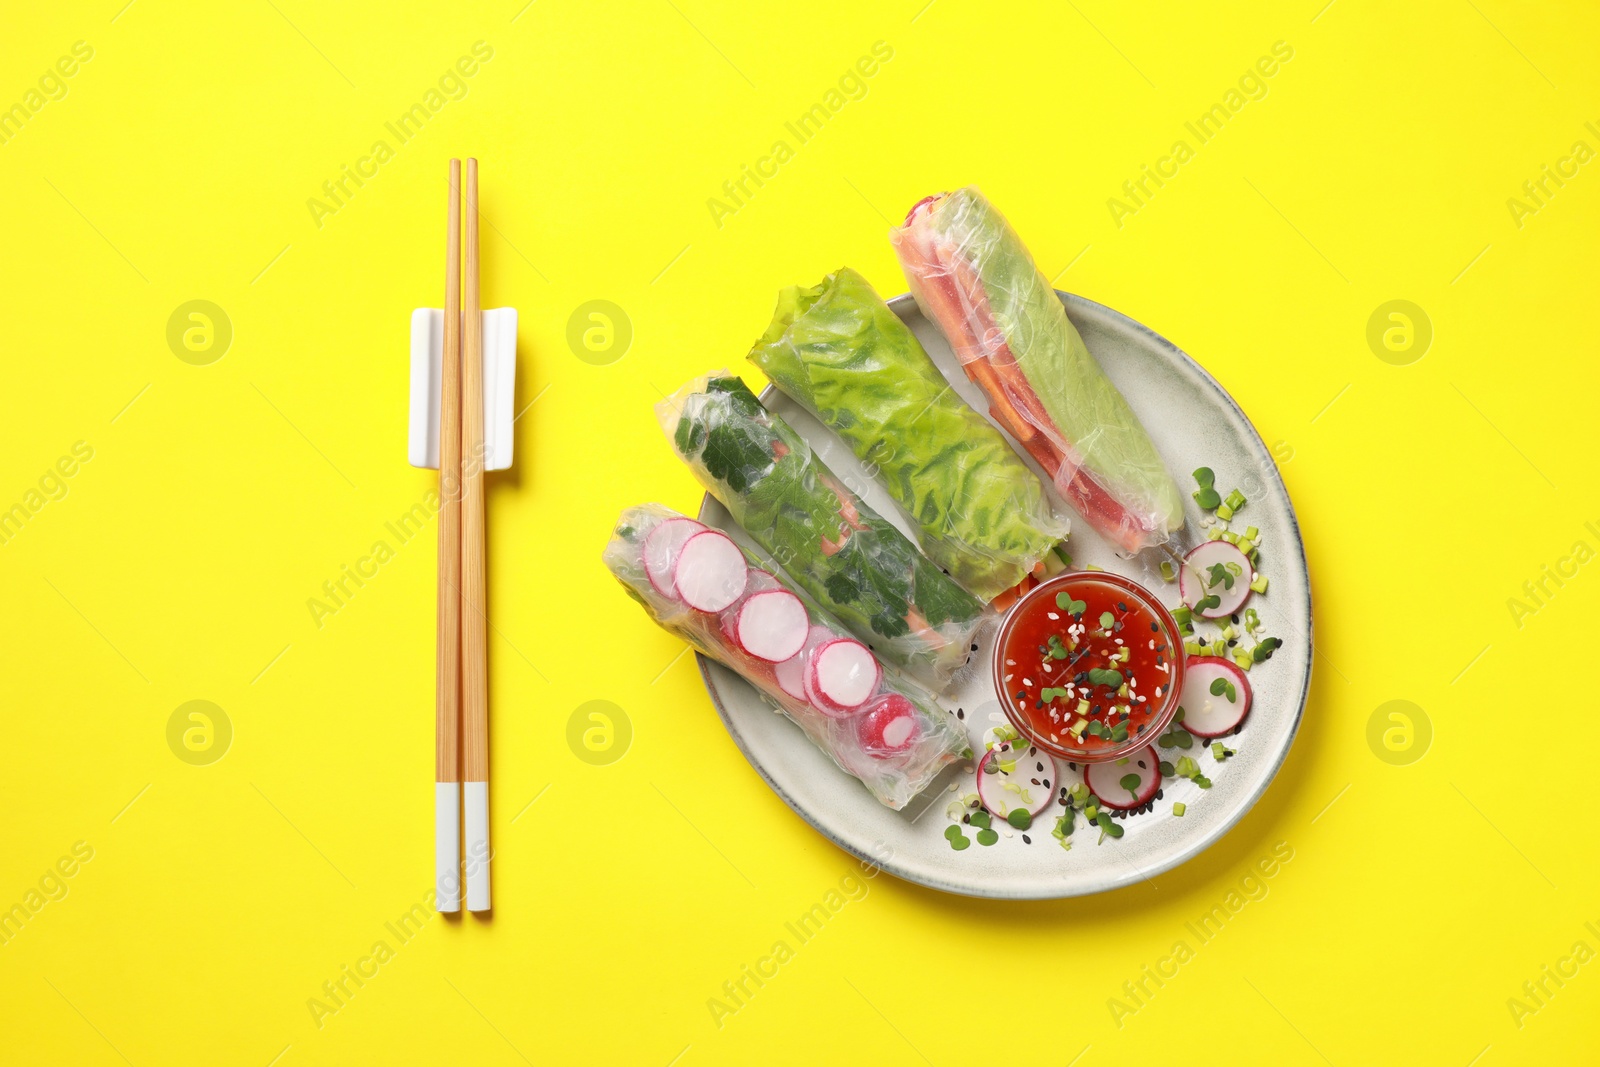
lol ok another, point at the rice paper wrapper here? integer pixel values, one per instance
(973, 277)
(925, 738)
(853, 562)
(980, 513)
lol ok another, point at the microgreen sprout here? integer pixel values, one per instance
(1220, 686)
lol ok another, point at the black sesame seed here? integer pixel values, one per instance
(1026, 840)
(974, 648)
(1155, 628)
(960, 714)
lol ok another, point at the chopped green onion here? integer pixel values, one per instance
(1167, 571)
(1259, 583)
(1178, 808)
(1224, 512)
(1182, 615)
(1251, 533)
(1236, 500)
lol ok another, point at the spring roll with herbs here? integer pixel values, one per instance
(698, 584)
(973, 277)
(839, 352)
(850, 559)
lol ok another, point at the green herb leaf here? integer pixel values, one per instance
(1220, 576)
(1020, 818)
(987, 837)
(1107, 620)
(1204, 478)
(1207, 498)
(1263, 652)
(1130, 782)
(1102, 676)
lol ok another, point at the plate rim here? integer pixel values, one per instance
(899, 305)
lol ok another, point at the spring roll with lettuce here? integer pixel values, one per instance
(839, 352)
(851, 560)
(973, 277)
(698, 584)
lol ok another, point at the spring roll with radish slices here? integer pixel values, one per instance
(973, 277)
(851, 560)
(698, 584)
(840, 353)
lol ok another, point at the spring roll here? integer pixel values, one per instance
(698, 584)
(974, 278)
(839, 352)
(852, 561)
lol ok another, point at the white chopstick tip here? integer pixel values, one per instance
(476, 798)
(447, 846)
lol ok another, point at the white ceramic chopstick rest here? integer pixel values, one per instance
(499, 386)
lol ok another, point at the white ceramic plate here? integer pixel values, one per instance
(1194, 422)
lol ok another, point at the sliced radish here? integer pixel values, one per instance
(710, 573)
(772, 625)
(1195, 578)
(791, 673)
(889, 727)
(843, 674)
(1211, 715)
(661, 548)
(1017, 776)
(1105, 780)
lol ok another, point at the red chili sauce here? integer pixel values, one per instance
(1088, 666)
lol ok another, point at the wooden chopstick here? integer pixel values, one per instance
(447, 727)
(474, 673)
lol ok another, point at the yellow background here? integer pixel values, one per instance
(179, 563)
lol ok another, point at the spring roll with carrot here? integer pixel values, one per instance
(973, 277)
